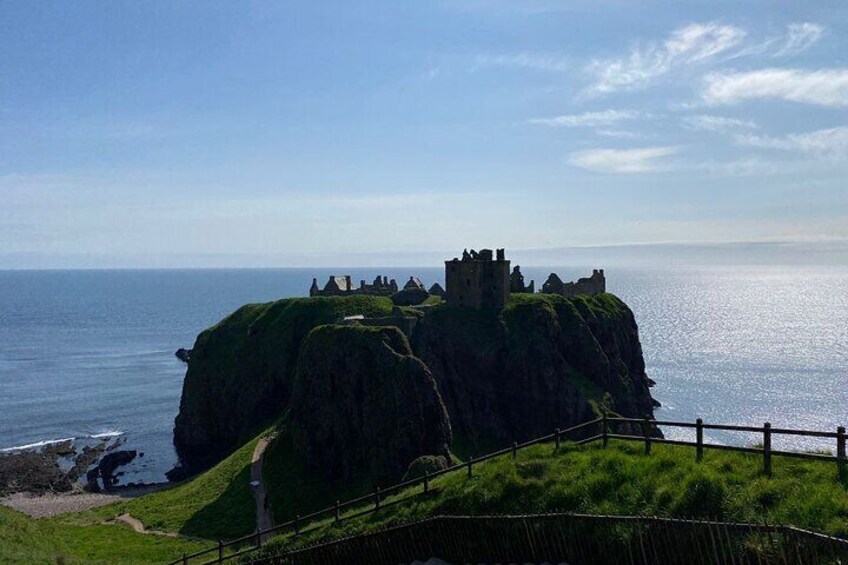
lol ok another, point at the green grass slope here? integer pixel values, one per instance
(217, 504)
(622, 480)
(49, 541)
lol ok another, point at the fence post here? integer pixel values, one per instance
(377, 499)
(297, 524)
(514, 449)
(646, 429)
(840, 450)
(336, 510)
(604, 427)
(699, 438)
(469, 467)
(426, 481)
(767, 449)
(258, 537)
(556, 438)
(185, 559)
(220, 551)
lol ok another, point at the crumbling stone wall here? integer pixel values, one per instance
(343, 286)
(595, 284)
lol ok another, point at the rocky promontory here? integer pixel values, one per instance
(367, 400)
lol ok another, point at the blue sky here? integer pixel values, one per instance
(287, 134)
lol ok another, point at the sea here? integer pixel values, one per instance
(90, 354)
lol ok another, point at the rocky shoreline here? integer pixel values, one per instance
(89, 464)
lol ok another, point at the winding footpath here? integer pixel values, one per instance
(264, 517)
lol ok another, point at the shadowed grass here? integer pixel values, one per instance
(622, 480)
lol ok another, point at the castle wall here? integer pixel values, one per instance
(477, 281)
(595, 284)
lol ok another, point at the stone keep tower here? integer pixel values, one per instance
(477, 280)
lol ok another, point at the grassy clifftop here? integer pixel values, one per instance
(543, 361)
(241, 371)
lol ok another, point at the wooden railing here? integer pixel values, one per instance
(609, 426)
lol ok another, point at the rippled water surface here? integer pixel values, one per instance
(91, 352)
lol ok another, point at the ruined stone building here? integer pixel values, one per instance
(516, 282)
(478, 280)
(437, 290)
(595, 284)
(414, 283)
(343, 286)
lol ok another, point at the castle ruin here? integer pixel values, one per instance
(595, 284)
(516, 283)
(477, 280)
(343, 286)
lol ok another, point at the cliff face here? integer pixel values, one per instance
(240, 375)
(543, 362)
(364, 406)
(368, 400)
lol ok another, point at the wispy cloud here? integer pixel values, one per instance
(641, 160)
(718, 124)
(533, 61)
(588, 119)
(691, 44)
(831, 143)
(619, 134)
(827, 87)
(799, 37)
(694, 44)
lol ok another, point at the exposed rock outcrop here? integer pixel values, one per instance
(363, 406)
(542, 362)
(183, 354)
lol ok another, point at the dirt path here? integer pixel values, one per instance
(264, 517)
(139, 528)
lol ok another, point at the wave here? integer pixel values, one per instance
(36, 445)
(106, 435)
(45, 442)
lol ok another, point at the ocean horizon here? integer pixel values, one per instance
(89, 354)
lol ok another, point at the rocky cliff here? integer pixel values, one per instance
(241, 371)
(363, 405)
(542, 362)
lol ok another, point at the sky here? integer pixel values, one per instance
(241, 134)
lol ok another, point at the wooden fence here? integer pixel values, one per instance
(607, 427)
(576, 539)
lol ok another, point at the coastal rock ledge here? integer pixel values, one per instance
(367, 400)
